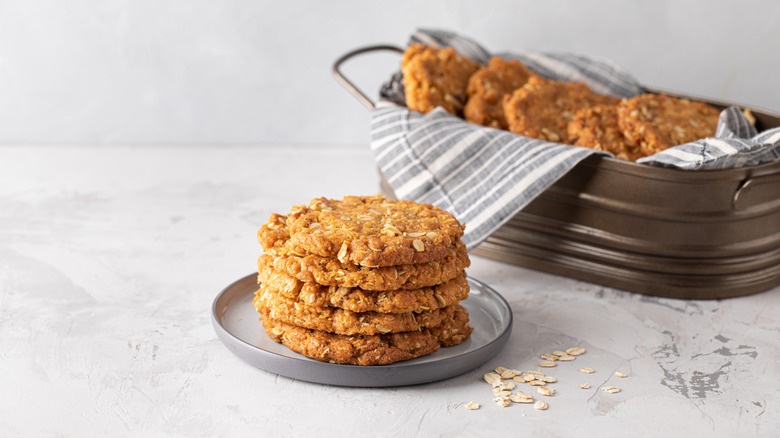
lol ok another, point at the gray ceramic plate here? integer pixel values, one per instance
(238, 327)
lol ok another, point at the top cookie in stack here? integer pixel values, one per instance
(363, 280)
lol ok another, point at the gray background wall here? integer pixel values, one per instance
(190, 72)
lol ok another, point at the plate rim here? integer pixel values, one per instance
(497, 343)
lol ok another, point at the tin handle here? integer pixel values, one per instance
(758, 190)
(349, 85)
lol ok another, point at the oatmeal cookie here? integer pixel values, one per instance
(487, 88)
(542, 108)
(365, 230)
(344, 322)
(656, 121)
(435, 77)
(368, 349)
(597, 128)
(330, 272)
(359, 300)
(453, 331)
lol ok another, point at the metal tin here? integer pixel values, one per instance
(664, 232)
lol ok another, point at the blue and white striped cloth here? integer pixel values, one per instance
(485, 176)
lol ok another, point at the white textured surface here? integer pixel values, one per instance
(119, 72)
(110, 258)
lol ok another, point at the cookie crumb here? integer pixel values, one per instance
(749, 116)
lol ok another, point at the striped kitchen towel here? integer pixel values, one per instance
(485, 176)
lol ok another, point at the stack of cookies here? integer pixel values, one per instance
(363, 280)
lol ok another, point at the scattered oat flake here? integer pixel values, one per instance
(548, 379)
(575, 351)
(550, 357)
(547, 364)
(566, 358)
(517, 398)
(508, 374)
(472, 406)
(508, 386)
(588, 370)
(611, 389)
(559, 353)
(619, 374)
(541, 405)
(502, 393)
(492, 378)
(584, 386)
(519, 379)
(502, 401)
(535, 373)
(545, 391)
(537, 383)
(500, 370)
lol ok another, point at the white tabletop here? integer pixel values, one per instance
(110, 259)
